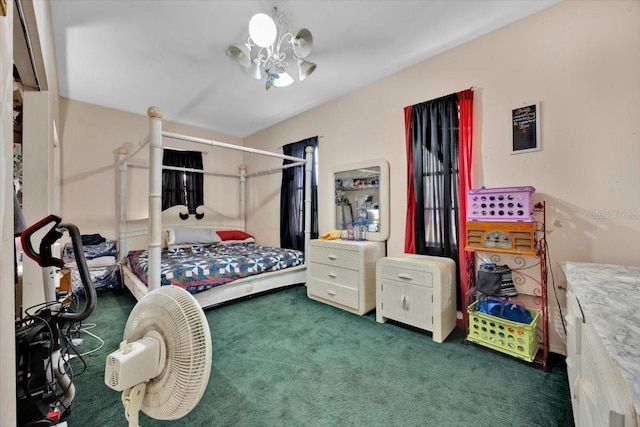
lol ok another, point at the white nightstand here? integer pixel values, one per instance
(417, 290)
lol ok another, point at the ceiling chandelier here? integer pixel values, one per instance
(269, 49)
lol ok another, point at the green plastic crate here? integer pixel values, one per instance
(513, 338)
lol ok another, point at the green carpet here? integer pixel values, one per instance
(282, 359)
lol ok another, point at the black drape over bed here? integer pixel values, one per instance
(292, 197)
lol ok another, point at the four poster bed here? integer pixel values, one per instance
(207, 253)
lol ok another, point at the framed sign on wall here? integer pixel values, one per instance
(525, 128)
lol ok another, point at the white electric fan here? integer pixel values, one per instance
(164, 361)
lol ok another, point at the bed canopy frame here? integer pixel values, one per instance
(157, 220)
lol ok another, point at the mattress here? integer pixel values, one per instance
(102, 264)
(198, 268)
(91, 252)
(106, 278)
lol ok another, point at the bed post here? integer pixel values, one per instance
(155, 196)
(122, 197)
(307, 197)
(243, 180)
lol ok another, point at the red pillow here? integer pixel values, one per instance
(233, 235)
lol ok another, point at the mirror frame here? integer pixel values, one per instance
(383, 189)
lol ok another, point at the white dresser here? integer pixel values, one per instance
(417, 290)
(343, 273)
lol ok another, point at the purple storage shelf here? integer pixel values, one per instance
(506, 204)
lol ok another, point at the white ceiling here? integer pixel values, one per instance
(130, 54)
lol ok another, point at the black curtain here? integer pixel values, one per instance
(435, 160)
(182, 188)
(292, 197)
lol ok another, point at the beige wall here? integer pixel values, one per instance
(42, 15)
(90, 137)
(579, 59)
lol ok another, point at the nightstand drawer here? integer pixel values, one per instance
(406, 275)
(338, 257)
(332, 292)
(332, 274)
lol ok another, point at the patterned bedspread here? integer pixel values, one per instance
(198, 268)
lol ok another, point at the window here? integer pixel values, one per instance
(182, 187)
(440, 183)
(292, 196)
(299, 190)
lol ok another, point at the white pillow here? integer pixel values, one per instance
(192, 236)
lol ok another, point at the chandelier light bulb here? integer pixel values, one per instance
(284, 79)
(262, 30)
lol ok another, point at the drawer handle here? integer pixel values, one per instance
(405, 303)
(332, 257)
(405, 276)
(332, 293)
(332, 275)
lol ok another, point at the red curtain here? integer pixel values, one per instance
(465, 157)
(409, 233)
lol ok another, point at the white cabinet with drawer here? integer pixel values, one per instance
(417, 290)
(342, 273)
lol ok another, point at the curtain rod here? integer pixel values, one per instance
(184, 149)
(318, 136)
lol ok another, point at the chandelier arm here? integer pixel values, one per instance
(287, 45)
(263, 55)
(291, 38)
(281, 21)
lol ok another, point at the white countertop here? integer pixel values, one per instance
(609, 296)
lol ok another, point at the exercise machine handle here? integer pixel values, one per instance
(83, 270)
(45, 259)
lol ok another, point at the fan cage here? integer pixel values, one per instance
(177, 316)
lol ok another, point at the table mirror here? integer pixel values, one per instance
(361, 196)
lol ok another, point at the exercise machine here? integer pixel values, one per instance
(44, 349)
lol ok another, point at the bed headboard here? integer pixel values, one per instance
(136, 233)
